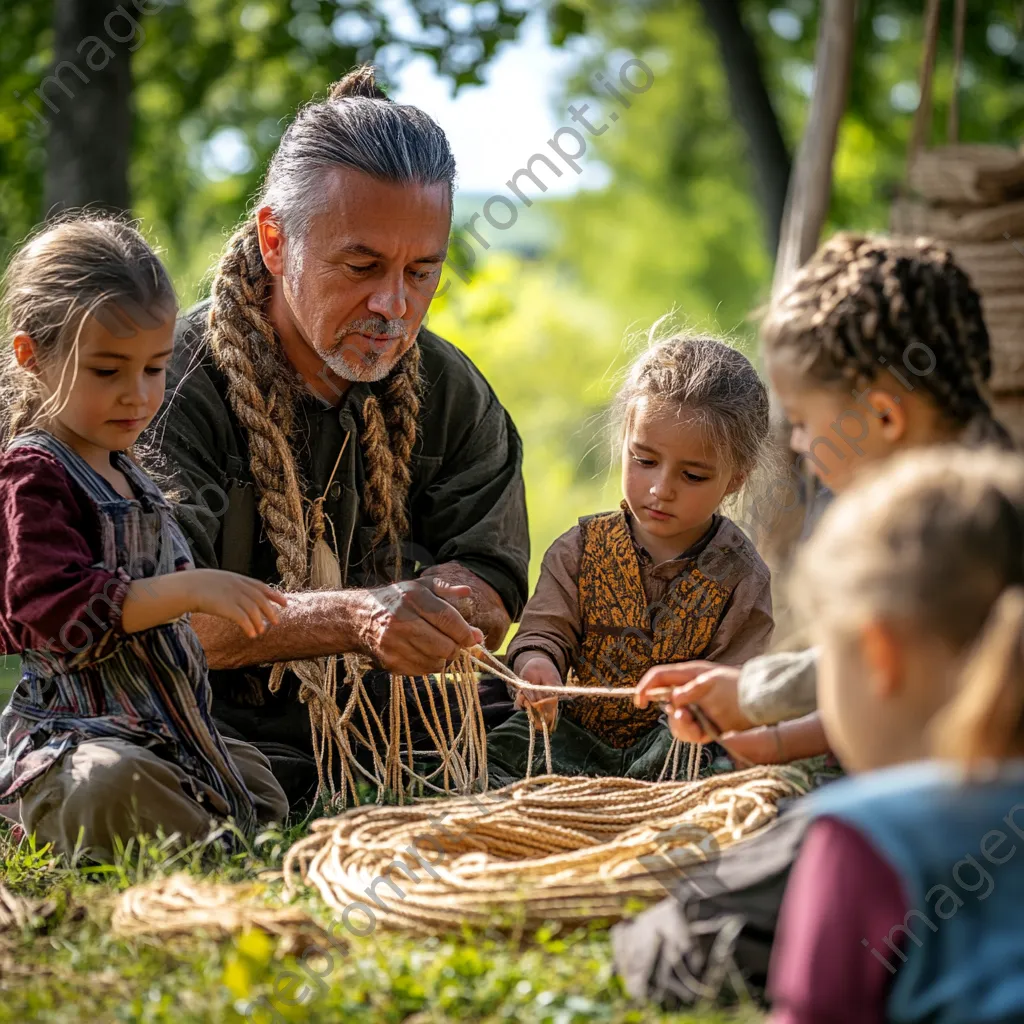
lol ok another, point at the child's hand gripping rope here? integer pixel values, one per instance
(541, 670)
(485, 660)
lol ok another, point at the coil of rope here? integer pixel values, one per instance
(551, 848)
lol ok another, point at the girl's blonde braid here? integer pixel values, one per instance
(21, 412)
(261, 394)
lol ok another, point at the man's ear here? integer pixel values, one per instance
(272, 240)
(890, 413)
(25, 351)
(882, 655)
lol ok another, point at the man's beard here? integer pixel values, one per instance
(365, 366)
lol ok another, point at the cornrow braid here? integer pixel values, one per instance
(261, 395)
(864, 303)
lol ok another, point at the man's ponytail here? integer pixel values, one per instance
(361, 81)
(985, 721)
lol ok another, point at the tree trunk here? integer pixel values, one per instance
(810, 192)
(87, 100)
(752, 107)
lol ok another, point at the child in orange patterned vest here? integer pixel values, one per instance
(666, 578)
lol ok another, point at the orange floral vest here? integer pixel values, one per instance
(623, 637)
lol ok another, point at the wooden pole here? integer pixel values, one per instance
(810, 187)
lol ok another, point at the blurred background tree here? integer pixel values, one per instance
(694, 176)
(175, 108)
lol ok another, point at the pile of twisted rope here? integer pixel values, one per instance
(545, 849)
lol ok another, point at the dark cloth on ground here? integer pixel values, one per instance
(711, 940)
(574, 751)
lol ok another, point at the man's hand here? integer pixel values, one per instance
(539, 669)
(482, 606)
(713, 687)
(412, 628)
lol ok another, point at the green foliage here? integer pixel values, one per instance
(552, 355)
(677, 228)
(68, 966)
(229, 69)
(679, 225)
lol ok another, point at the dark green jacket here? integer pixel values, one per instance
(467, 502)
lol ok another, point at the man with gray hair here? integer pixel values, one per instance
(307, 401)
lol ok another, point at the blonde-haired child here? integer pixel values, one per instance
(877, 347)
(109, 730)
(663, 578)
(906, 901)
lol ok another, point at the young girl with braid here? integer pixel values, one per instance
(878, 346)
(906, 899)
(109, 731)
(664, 577)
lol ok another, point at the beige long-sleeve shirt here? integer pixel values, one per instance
(778, 687)
(552, 625)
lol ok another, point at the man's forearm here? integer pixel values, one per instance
(312, 625)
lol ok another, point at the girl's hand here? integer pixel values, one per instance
(541, 670)
(248, 603)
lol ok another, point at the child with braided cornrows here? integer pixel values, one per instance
(878, 346)
(109, 731)
(665, 577)
(906, 899)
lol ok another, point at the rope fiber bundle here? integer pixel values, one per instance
(179, 905)
(551, 848)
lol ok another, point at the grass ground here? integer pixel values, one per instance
(69, 967)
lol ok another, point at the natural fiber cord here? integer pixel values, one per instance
(179, 906)
(545, 849)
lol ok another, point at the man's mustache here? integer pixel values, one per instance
(378, 326)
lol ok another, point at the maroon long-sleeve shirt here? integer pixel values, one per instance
(50, 544)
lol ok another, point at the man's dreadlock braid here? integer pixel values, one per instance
(379, 468)
(261, 395)
(388, 438)
(864, 303)
(401, 412)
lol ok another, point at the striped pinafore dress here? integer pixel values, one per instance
(150, 688)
